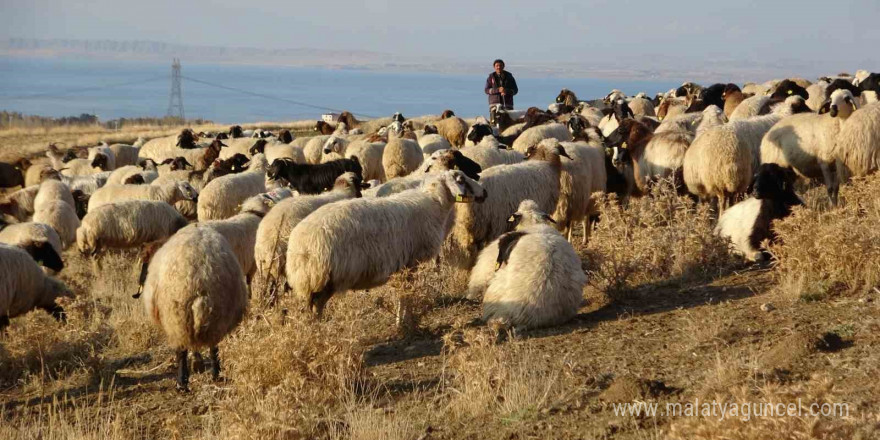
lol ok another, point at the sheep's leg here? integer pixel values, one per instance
(182, 371)
(832, 184)
(4, 322)
(198, 365)
(319, 299)
(588, 226)
(57, 312)
(215, 363)
(569, 232)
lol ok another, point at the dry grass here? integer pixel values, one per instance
(661, 238)
(835, 251)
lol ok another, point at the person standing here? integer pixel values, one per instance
(500, 86)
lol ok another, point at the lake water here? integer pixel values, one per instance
(232, 93)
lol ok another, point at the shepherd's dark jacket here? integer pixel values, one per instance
(494, 81)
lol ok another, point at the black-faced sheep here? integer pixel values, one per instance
(24, 287)
(312, 179)
(748, 223)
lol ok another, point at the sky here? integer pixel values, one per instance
(831, 35)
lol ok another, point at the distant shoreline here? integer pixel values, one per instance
(653, 69)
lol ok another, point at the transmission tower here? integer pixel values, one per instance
(175, 101)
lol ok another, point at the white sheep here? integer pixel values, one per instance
(431, 142)
(314, 148)
(721, 161)
(507, 185)
(401, 156)
(360, 243)
(169, 192)
(127, 154)
(149, 173)
(107, 162)
(127, 224)
(642, 106)
(534, 135)
(196, 292)
(61, 216)
(532, 277)
(222, 197)
(270, 250)
(489, 153)
(806, 141)
(53, 190)
(749, 107)
(858, 144)
(453, 129)
(40, 240)
(24, 287)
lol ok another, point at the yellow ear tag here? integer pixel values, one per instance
(624, 145)
(512, 218)
(461, 198)
(497, 265)
(789, 92)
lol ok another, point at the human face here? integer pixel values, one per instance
(498, 67)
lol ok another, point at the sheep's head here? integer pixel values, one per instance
(235, 131)
(45, 255)
(787, 88)
(478, 132)
(453, 160)
(186, 139)
(187, 192)
(100, 161)
(396, 128)
(350, 181)
(577, 124)
(463, 188)
(776, 183)
(49, 174)
(285, 136)
(841, 104)
(431, 129)
(280, 165)
(81, 200)
(177, 163)
(729, 90)
(613, 97)
(334, 144)
(398, 117)
(259, 147)
(134, 179)
(52, 290)
(526, 215)
(447, 114)
(548, 150)
(69, 155)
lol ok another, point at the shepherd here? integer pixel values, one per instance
(500, 86)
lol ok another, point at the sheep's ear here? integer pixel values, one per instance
(826, 107)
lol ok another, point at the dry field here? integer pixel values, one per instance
(671, 318)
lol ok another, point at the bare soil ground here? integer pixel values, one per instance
(684, 323)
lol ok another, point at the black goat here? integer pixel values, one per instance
(313, 178)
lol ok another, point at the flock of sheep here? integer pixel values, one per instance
(214, 214)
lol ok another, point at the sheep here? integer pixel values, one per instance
(733, 97)
(34, 171)
(721, 161)
(88, 185)
(52, 190)
(277, 150)
(628, 144)
(169, 192)
(62, 217)
(127, 224)
(369, 155)
(751, 88)
(477, 225)
(454, 129)
(401, 156)
(102, 157)
(534, 135)
(312, 179)
(481, 130)
(489, 153)
(73, 168)
(148, 172)
(671, 106)
(240, 230)
(24, 287)
(642, 107)
(437, 162)
(127, 154)
(314, 147)
(806, 141)
(662, 158)
(20, 204)
(431, 141)
(531, 277)
(11, 176)
(273, 233)
(748, 223)
(222, 197)
(39, 240)
(360, 243)
(324, 128)
(581, 177)
(858, 144)
(196, 292)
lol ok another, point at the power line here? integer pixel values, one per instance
(84, 89)
(261, 95)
